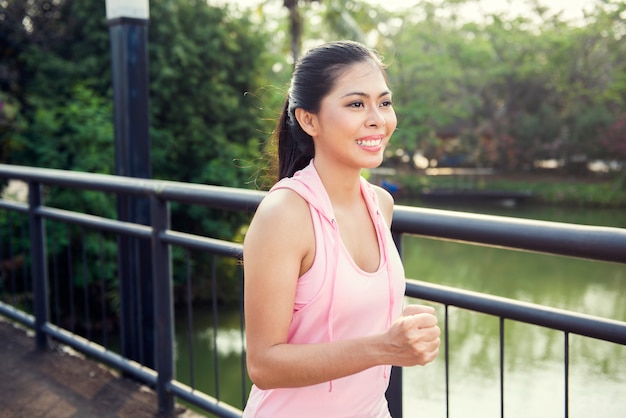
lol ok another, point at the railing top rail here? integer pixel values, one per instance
(584, 241)
(589, 242)
(216, 196)
(530, 313)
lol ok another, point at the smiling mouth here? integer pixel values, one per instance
(369, 142)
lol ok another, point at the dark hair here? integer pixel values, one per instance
(313, 78)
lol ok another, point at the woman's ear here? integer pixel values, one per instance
(307, 121)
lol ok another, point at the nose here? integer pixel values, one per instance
(375, 118)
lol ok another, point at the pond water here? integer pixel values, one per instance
(534, 368)
(534, 371)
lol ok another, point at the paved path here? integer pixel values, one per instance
(58, 383)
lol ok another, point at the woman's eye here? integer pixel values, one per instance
(387, 103)
(356, 104)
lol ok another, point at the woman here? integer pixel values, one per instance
(324, 283)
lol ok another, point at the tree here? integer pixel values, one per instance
(205, 127)
(334, 19)
(38, 71)
(205, 70)
(434, 71)
(509, 90)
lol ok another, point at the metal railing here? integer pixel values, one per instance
(597, 243)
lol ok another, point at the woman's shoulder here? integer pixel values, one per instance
(282, 224)
(283, 204)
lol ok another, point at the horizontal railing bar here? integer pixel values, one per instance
(132, 368)
(196, 242)
(204, 401)
(13, 206)
(78, 179)
(147, 376)
(567, 321)
(589, 242)
(17, 315)
(215, 196)
(97, 222)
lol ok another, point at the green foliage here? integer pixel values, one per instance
(205, 70)
(12, 125)
(202, 65)
(76, 134)
(515, 89)
(428, 81)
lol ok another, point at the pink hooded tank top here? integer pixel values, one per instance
(337, 300)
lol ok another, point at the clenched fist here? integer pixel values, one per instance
(414, 337)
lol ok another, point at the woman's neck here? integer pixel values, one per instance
(342, 184)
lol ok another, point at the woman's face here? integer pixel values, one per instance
(356, 119)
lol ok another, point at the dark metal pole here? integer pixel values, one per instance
(128, 30)
(394, 391)
(163, 302)
(39, 265)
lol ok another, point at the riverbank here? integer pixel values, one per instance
(545, 188)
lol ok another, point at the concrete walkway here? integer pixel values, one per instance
(58, 383)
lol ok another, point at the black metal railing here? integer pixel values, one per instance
(56, 276)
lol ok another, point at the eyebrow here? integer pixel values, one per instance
(362, 94)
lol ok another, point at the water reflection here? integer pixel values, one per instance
(534, 384)
(533, 373)
(212, 361)
(584, 286)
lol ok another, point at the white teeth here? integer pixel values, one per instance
(370, 142)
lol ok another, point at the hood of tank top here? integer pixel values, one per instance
(308, 184)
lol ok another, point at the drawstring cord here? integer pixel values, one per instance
(335, 260)
(381, 229)
(382, 237)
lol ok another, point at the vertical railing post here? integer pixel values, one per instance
(38, 264)
(502, 337)
(394, 391)
(163, 306)
(566, 370)
(446, 337)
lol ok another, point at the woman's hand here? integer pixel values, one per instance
(414, 337)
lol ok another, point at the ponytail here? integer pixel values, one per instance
(295, 147)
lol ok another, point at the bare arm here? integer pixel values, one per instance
(279, 247)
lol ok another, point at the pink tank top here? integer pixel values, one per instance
(336, 300)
